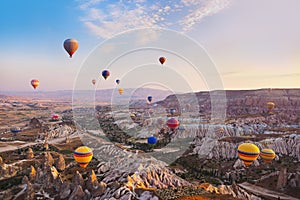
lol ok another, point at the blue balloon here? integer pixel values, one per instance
(172, 111)
(149, 98)
(105, 74)
(152, 140)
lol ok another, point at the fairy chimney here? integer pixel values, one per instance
(46, 146)
(29, 154)
(32, 174)
(60, 163)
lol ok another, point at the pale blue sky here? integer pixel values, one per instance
(254, 44)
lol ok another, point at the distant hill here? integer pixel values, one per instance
(100, 95)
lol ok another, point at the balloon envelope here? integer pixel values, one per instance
(15, 129)
(172, 123)
(94, 81)
(121, 90)
(162, 60)
(105, 74)
(270, 105)
(83, 155)
(118, 81)
(55, 117)
(172, 111)
(248, 153)
(71, 46)
(267, 155)
(149, 98)
(152, 140)
(35, 83)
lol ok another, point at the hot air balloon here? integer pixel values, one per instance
(172, 123)
(83, 155)
(105, 74)
(94, 81)
(172, 111)
(35, 83)
(152, 140)
(15, 130)
(270, 105)
(248, 153)
(149, 98)
(121, 90)
(162, 60)
(55, 117)
(267, 155)
(71, 45)
(118, 81)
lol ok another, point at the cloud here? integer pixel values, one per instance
(106, 18)
(207, 8)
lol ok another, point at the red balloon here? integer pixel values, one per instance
(172, 123)
(162, 60)
(35, 83)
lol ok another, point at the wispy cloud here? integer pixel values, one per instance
(106, 18)
(203, 9)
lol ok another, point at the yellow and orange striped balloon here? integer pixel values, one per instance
(83, 155)
(267, 155)
(248, 153)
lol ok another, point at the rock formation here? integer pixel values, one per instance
(32, 174)
(60, 163)
(282, 178)
(29, 154)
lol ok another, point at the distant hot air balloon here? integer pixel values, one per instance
(267, 155)
(105, 74)
(35, 83)
(94, 81)
(162, 60)
(83, 155)
(172, 123)
(71, 45)
(152, 140)
(149, 98)
(172, 111)
(15, 130)
(118, 81)
(55, 117)
(248, 153)
(270, 105)
(121, 90)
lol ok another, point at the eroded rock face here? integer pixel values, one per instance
(282, 178)
(60, 163)
(77, 179)
(48, 159)
(77, 193)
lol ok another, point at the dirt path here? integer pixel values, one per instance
(265, 192)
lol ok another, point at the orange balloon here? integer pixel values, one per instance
(71, 46)
(35, 83)
(94, 81)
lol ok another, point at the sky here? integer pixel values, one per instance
(252, 44)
